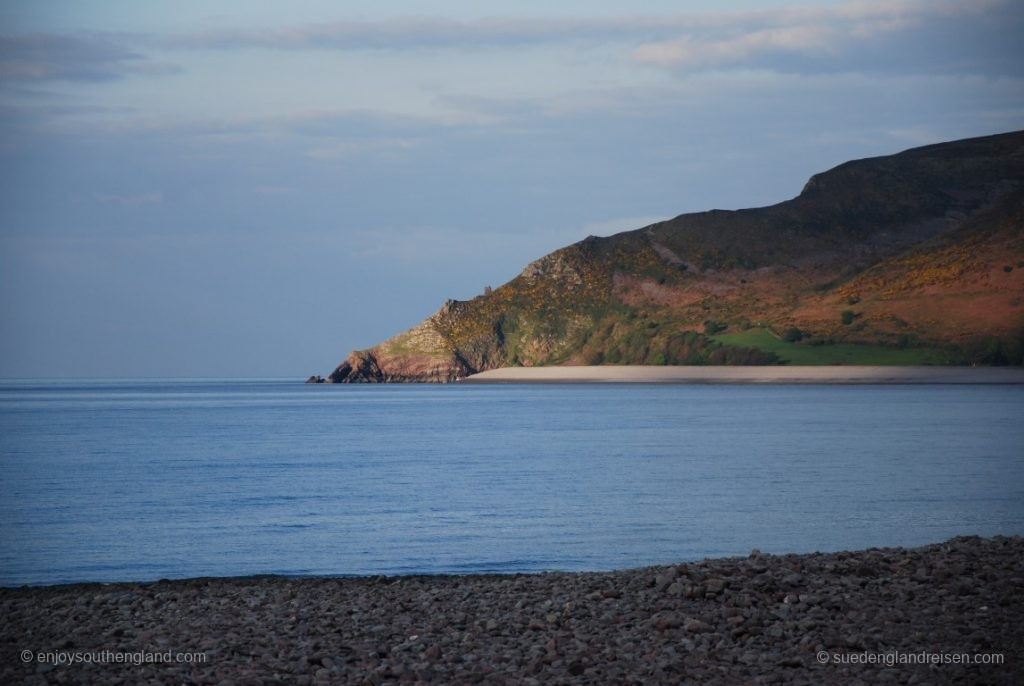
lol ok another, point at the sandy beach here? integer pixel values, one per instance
(946, 613)
(752, 374)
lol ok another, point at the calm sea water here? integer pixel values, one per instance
(140, 480)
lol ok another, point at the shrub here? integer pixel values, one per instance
(792, 335)
(848, 316)
(1013, 350)
(985, 351)
(712, 327)
(1008, 268)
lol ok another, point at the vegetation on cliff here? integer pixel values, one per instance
(916, 257)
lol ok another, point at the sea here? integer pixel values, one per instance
(139, 480)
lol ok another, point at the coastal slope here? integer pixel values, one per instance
(913, 258)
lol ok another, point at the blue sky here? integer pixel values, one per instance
(252, 189)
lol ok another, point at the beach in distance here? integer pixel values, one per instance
(824, 374)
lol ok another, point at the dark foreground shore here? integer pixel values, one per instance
(843, 618)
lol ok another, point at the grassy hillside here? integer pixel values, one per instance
(818, 353)
(915, 258)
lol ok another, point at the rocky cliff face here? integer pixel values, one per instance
(924, 246)
(421, 354)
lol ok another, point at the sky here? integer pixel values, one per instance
(247, 188)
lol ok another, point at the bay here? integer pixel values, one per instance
(114, 480)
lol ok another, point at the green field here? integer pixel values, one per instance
(838, 353)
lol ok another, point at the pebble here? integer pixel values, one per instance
(695, 626)
(714, 586)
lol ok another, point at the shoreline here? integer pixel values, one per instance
(781, 374)
(755, 619)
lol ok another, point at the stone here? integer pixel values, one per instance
(665, 622)
(714, 586)
(696, 626)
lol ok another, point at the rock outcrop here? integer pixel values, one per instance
(421, 354)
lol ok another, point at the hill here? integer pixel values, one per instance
(913, 258)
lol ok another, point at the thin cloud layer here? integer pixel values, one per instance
(129, 201)
(976, 37)
(980, 36)
(862, 19)
(52, 57)
(414, 33)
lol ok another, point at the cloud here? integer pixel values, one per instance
(131, 201)
(313, 134)
(425, 32)
(696, 52)
(976, 36)
(407, 33)
(680, 40)
(273, 190)
(346, 148)
(79, 57)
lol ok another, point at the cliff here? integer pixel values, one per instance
(920, 252)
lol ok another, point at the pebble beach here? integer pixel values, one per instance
(946, 613)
